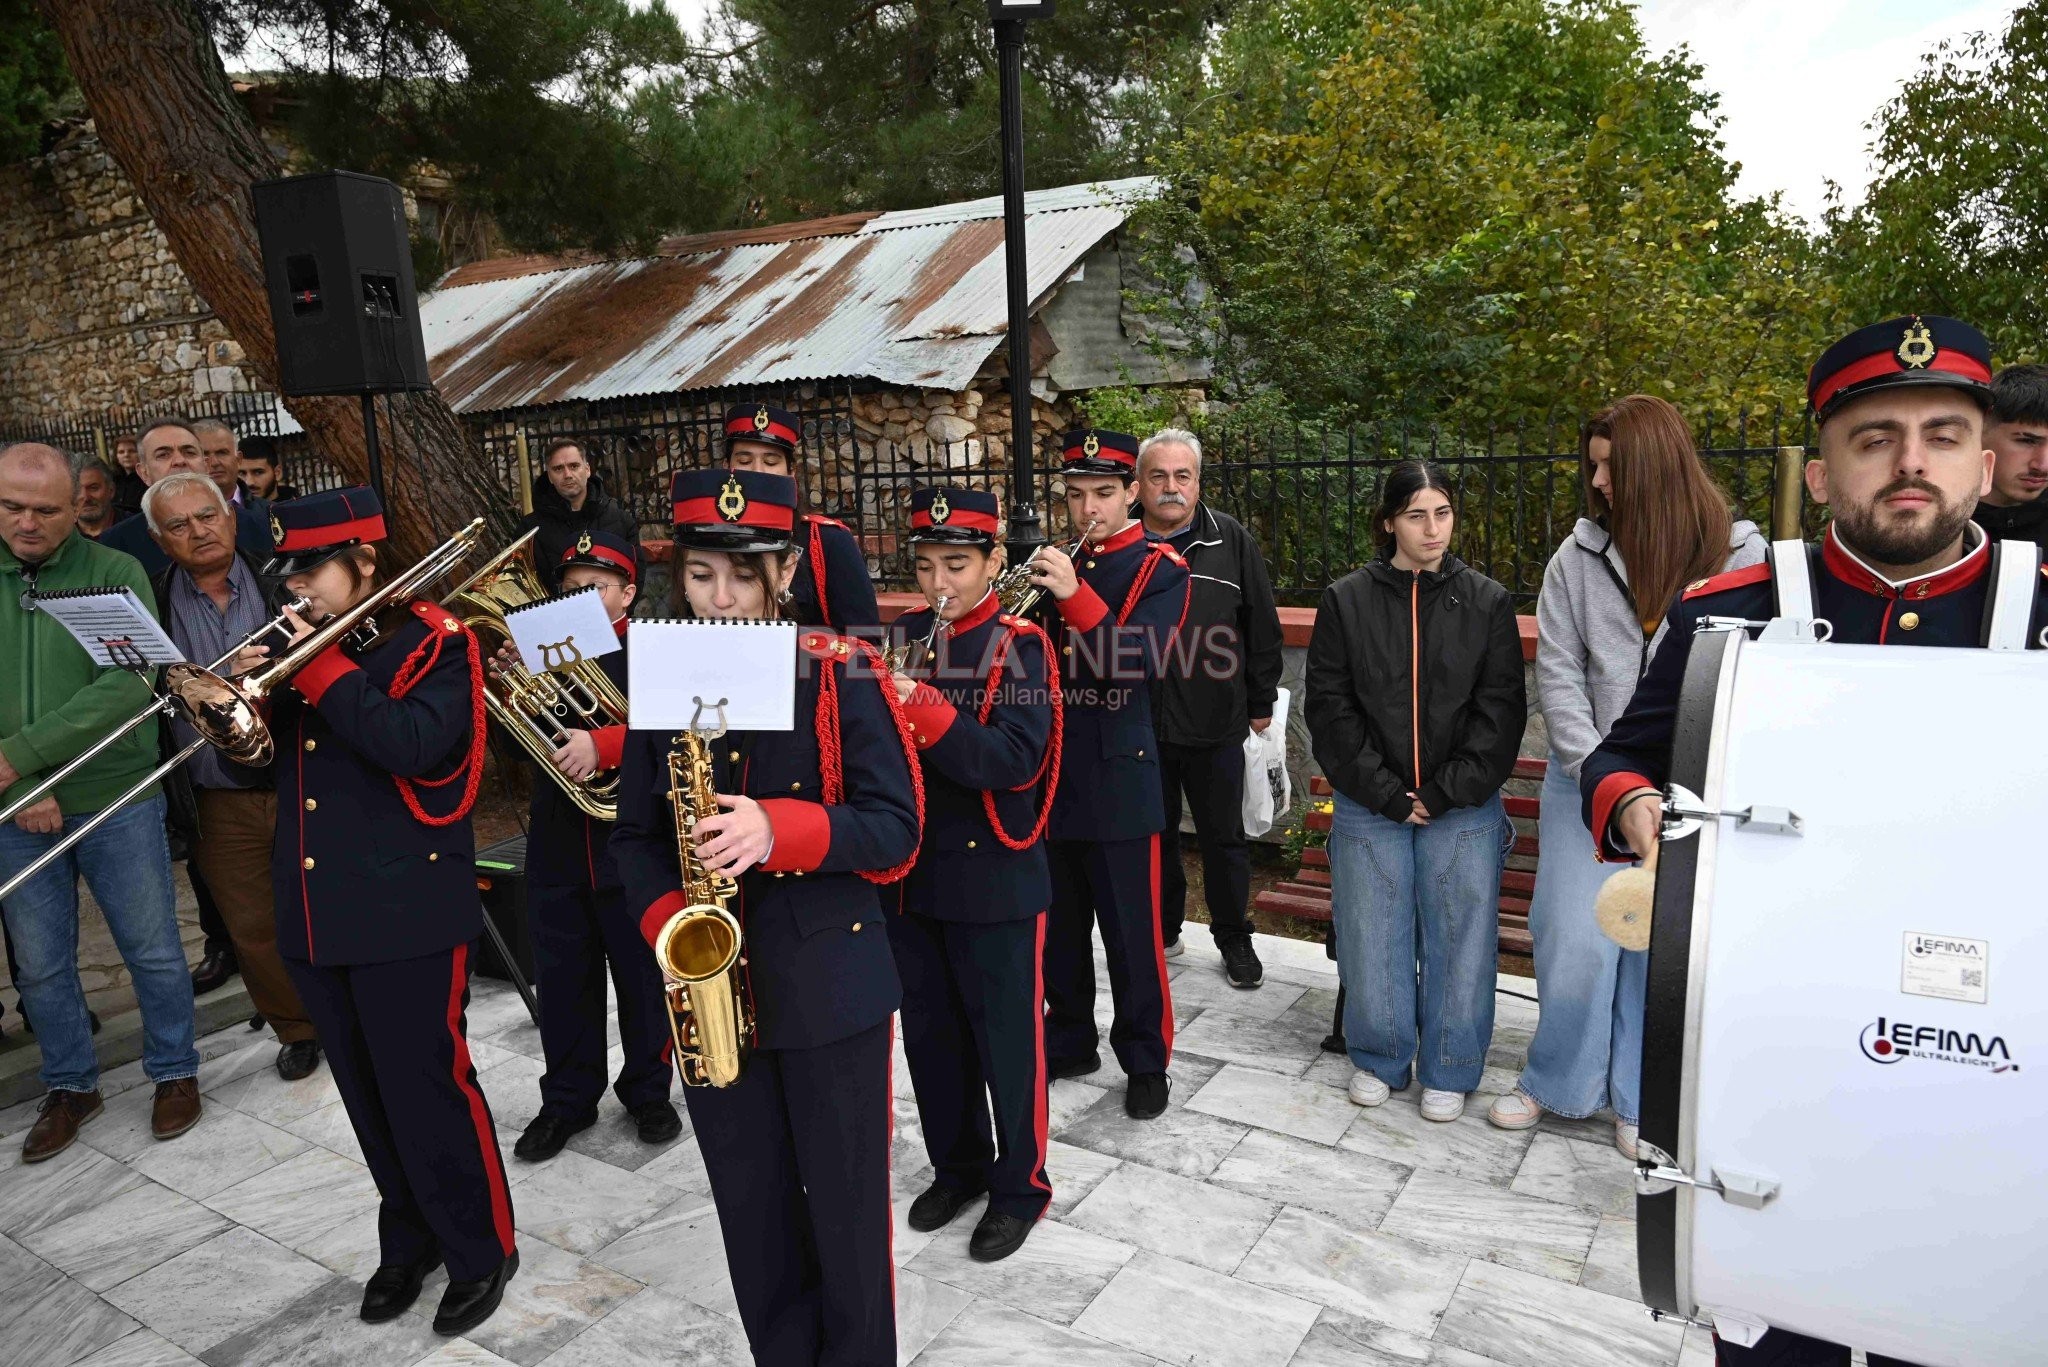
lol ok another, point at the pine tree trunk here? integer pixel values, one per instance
(161, 101)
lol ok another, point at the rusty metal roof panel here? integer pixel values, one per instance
(913, 298)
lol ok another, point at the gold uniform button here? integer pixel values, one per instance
(1067, 650)
(309, 861)
(796, 787)
(856, 927)
(734, 757)
(433, 856)
(1141, 754)
(1908, 621)
(1091, 564)
(970, 844)
(311, 746)
(312, 805)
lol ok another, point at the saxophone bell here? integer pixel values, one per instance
(701, 950)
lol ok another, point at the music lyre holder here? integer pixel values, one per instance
(695, 716)
(124, 654)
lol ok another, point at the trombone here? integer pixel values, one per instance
(223, 710)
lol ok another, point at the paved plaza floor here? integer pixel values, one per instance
(1262, 1221)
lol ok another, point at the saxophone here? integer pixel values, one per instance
(700, 949)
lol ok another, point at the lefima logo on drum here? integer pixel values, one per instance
(1886, 1041)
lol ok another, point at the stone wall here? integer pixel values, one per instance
(95, 313)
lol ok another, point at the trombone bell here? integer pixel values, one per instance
(219, 712)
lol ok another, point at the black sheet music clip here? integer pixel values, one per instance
(697, 716)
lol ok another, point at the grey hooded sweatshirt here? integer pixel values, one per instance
(1590, 646)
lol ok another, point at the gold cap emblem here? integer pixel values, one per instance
(732, 500)
(940, 510)
(276, 532)
(761, 418)
(583, 544)
(1091, 445)
(1917, 347)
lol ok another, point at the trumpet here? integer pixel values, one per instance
(1014, 587)
(223, 710)
(901, 659)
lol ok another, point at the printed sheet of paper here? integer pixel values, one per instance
(748, 667)
(113, 626)
(557, 632)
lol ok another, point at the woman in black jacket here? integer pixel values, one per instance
(1415, 708)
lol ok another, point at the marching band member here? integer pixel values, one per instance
(380, 750)
(833, 587)
(1121, 600)
(987, 727)
(1900, 410)
(813, 819)
(579, 916)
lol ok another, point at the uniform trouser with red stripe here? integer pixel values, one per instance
(1114, 883)
(576, 933)
(973, 1030)
(395, 1037)
(798, 1156)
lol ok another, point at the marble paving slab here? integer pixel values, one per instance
(1181, 1313)
(37, 1195)
(1074, 1172)
(1313, 1010)
(331, 1129)
(142, 1348)
(350, 1248)
(1198, 988)
(324, 1329)
(1351, 1188)
(461, 1353)
(301, 1198)
(1341, 1340)
(513, 1090)
(1179, 1141)
(1376, 1276)
(1611, 1265)
(1070, 1098)
(552, 1299)
(266, 1096)
(1395, 1131)
(924, 1307)
(1519, 1317)
(209, 1294)
(226, 1148)
(138, 1229)
(987, 1334)
(679, 1249)
(580, 1204)
(1231, 1038)
(121, 1129)
(51, 1318)
(656, 1327)
(1525, 1232)
(1056, 1274)
(1594, 1176)
(615, 1139)
(1192, 1221)
(1253, 1096)
(680, 1166)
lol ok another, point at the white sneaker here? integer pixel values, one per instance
(1442, 1106)
(1173, 948)
(1625, 1139)
(1367, 1090)
(1515, 1111)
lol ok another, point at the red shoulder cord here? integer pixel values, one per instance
(1138, 584)
(831, 773)
(1049, 763)
(416, 667)
(817, 551)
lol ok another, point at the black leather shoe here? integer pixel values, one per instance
(298, 1059)
(1241, 963)
(997, 1237)
(658, 1122)
(465, 1305)
(394, 1287)
(547, 1134)
(216, 968)
(938, 1205)
(1145, 1095)
(1076, 1067)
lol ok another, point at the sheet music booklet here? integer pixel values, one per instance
(113, 626)
(748, 667)
(556, 632)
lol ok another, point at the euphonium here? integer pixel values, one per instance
(1014, 588)
(539, 710)
(700, 949)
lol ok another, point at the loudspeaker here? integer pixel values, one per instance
(501, 883)
(338, 268)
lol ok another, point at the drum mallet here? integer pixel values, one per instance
(1623, 905)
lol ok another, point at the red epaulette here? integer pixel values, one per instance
(1170, 553)
(822, 520)
(435, 616)
(1734, 579)
(824, 645)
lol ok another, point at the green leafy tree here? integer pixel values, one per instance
(1956, 221)
(34, 85)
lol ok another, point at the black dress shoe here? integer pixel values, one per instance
(394, 1287)
(547, 1134)
(1076, 1067)
(658, 1122)
(1145, 1095)
(298, 1059)
(938, 1205)
(1241, 963)
(997, 1237)
(216, 968)
(465, 1305)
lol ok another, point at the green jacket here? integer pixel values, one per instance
(54, 702)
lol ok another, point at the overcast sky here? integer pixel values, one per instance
(1798, 79)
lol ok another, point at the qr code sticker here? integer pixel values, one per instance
(1973, 977)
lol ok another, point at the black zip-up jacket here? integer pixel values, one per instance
(560, 525)
(2021, 522)
(1415, 685)
(1225, 667)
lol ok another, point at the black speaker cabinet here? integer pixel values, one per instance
(501, 882)
(338, 268)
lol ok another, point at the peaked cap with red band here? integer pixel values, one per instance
(949, 515)
(310, 531)
(605, 551)
(764, 423)
(1092, 451)
(1920, 350)
(733, 510)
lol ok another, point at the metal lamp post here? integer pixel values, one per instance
(1009, 17)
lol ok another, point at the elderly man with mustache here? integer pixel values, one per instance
(1218, 685)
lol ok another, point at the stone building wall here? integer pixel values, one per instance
(95, 312)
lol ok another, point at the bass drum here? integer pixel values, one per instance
(1847, 1017)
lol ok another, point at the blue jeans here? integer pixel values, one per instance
(127, 864)
(1389, 878)
(1588, 1050)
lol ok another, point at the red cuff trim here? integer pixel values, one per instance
(1610, 791)
(611, 745)
(1085, 610)
(930, 714)
(326, 670)
(803, 833)
(656, 916)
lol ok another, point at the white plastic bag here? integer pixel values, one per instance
(1267, 791)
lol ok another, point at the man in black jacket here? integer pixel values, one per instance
(165, 447)
(1219, 685)
(2016, 430)
(569, 500)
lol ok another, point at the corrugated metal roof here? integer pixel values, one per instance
(910, 298)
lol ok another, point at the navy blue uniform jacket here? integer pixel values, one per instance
(1945, 609)
(817, 953)
(565, 848)
(833, 587)
(359, 877)
(1116, 635)
(965, 869)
